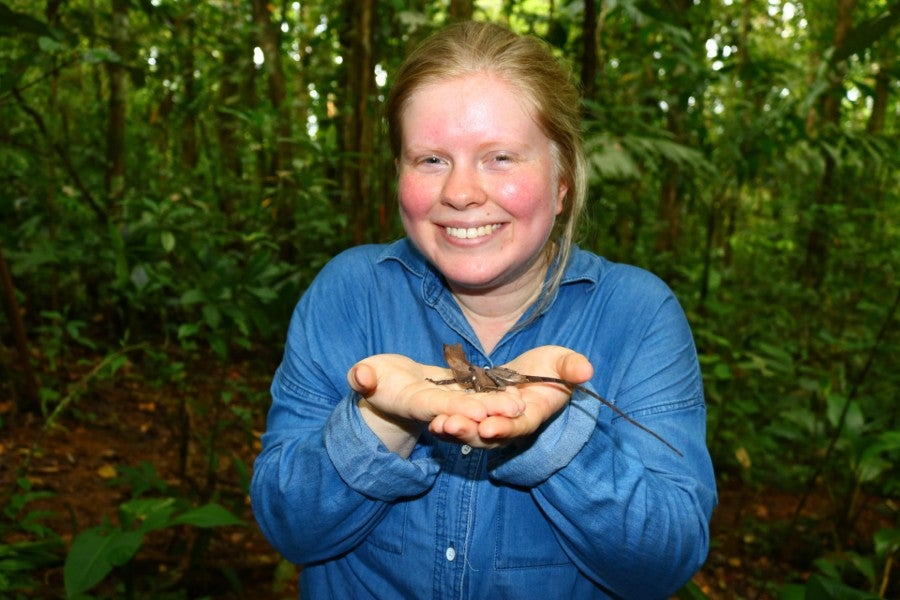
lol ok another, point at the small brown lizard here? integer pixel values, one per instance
(496, 379)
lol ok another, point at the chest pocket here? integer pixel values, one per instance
(524, 537)
(388, 535)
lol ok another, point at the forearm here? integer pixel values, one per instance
(318, 491)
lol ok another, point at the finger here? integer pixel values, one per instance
(456, 427)
(508, 403)
(437, 425)
(428, 403)
(460, 427)
(477, 407)
(501, 428)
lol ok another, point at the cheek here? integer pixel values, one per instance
(528, 197)
(413, 197)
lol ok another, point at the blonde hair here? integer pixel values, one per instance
(529, 66)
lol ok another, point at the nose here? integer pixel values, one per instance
(462, 188)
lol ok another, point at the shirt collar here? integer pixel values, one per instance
(581, 267)
(404, 252)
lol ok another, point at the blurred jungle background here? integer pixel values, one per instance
(173, 173)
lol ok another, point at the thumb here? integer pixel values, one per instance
(362, 379)
(574, 367)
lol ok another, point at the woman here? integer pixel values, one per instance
(386, 485)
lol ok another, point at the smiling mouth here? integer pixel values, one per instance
(468, 233)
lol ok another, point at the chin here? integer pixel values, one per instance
(472, 283)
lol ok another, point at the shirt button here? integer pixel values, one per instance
(466, 449)
(450, 554)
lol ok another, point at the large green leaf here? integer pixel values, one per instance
(93, 555)
(822, 588)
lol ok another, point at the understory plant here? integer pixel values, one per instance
(98, 552)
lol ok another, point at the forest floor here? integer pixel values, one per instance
(120, 423)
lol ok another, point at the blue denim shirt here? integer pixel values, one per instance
(592, 507)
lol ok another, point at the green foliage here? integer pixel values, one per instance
(96, 551)
(184, 266)
(822, 588)
(27, 544)
(140, 480)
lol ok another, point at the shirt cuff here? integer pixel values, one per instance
(366, 465)
(552, 448)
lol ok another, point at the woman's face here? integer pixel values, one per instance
(478, 189)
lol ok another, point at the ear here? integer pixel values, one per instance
(561, 191)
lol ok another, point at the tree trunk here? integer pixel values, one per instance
(356, 120)
(189, 152)
(670, 207)
(51, 12)
(882, 93)
(118, 83)
(27, 398)
(669, 212)
(278, 172)
(231, 165)
(269, 35)
(824, 118)
(589, 28)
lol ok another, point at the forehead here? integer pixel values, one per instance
(470, 102)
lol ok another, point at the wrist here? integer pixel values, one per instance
(398, 434)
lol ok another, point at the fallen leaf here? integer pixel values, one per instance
(36, 482)
(107, 471)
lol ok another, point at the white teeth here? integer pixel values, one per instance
(468, 233)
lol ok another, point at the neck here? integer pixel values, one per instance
(492, 313)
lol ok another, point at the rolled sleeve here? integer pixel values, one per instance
(366, 465)
(554, 447)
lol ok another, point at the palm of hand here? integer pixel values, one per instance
(398, 386)
(540, 401)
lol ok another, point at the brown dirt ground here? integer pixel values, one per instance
(122, 422)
